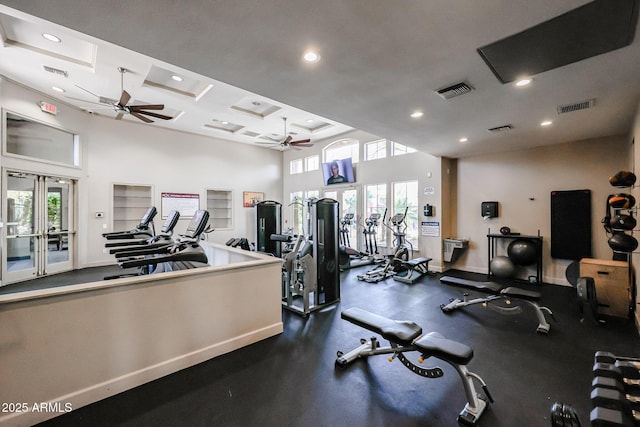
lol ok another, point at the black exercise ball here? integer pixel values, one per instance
(502, 267)
(522, 252)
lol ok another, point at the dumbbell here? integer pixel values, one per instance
(604, 417)
(564, 416)
(607, 357)
(619, 371)
(614, 399)
(625, 386)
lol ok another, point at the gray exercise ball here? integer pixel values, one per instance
(502, 267)
(522, 252)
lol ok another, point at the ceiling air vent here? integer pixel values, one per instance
(55, 71)
(250, 133)
(502, 128)
(582, 105)
(454, 90)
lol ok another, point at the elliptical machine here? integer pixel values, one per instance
(401, 252)
(348, 256)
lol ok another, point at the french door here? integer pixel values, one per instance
(38, 235)
(348, 199)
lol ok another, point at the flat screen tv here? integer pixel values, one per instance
(338, 171)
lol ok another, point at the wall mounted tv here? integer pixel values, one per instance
(338, 172)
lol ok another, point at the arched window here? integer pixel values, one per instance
(342, 149)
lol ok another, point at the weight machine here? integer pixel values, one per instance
(310, 273)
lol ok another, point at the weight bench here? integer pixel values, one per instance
(498, 292)
(406, 336)
(414, 270)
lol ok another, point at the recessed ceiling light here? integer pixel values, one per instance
(51, 37)
(177, 78)
(416, 114)
(309, 120)
(546, 123)
(523, 82)
(57, 89)
(463, 139)
(225, 123)
(311, 56)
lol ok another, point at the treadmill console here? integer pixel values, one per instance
(197, 225)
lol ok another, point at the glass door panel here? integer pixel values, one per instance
(58, 219)
(21, 234)
(348, 203)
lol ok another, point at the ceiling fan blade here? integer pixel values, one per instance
(124, 98)
(119, 116)
(267, 142)
(302, 141)
(301, 145)
(88, 91)
(287, 140)
(143, 118)
(149, 113)
(146, 107)
(84, 100)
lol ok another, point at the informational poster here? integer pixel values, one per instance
(430, 228)
(185, 203)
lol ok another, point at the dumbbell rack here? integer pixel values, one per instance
(615, 394)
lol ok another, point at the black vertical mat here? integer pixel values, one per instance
(571, 224)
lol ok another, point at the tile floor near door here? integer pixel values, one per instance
(290, 379)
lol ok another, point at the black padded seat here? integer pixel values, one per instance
(489, 287)
(521, 293)
(434, 344)
(397, 331)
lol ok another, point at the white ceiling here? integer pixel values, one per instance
(380, 61)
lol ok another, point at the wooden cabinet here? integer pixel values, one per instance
(612, 280)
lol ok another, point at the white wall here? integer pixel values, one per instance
(131, 153)
(419, 166)
(513, 178)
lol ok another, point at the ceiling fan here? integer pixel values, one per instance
(287, 141)
(121, 108)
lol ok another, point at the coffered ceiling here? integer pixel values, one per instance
(242, 69)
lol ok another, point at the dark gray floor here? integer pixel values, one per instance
(290, 379)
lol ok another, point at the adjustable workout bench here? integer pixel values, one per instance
(498, 293)
(415, 269)
(405, 336)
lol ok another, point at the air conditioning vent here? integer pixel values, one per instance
(55, 71)
(582, 105)
(251, 134)
(502, 128)
(454, 90)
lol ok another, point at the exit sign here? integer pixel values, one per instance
(48, 108)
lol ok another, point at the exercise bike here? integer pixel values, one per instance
(400, 254)
(348, 256)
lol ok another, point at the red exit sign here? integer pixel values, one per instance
(48, 108)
